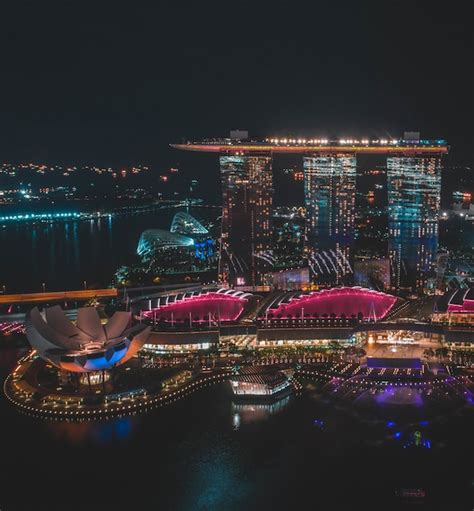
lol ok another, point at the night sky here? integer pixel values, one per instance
(115, 83)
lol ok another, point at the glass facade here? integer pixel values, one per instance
(329, 188)
(414, 187)
(246, 239)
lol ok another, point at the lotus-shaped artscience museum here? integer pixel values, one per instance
(87, 345)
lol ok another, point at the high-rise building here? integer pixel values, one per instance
(414, 168)
(330, 187)
(247, 187)
(414, 188)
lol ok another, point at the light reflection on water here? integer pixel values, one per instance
(190, 455)
(63, 255)
(99, 433)
(248, 413)
(400, 396)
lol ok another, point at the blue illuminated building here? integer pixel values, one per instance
(330, 188)
(414, 187)
(204, 249)
(183, 226)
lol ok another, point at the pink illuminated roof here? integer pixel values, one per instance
(220, 305)
(346, 301)
(462, 301)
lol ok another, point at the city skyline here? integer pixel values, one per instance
(247, 246)
(237, 247)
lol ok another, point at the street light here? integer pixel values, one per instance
(44, 287)
(85, 284)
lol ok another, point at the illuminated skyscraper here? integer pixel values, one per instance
(247, 188)
(329, 187)
(414, 187)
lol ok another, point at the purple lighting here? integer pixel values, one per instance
(348, 301)
(462, 301)
(400, 396)
(467, 306)
(201, 308)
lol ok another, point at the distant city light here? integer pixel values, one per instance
(37, 216)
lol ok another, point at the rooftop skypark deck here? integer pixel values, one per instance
(303, 145)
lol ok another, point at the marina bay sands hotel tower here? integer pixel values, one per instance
(330, 170)
(330, 190)
(246, 237)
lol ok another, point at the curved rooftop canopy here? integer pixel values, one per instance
(347, 301)
(460, 300)
(184, 223)
(87, 345)
(201, 306)
(153, 239)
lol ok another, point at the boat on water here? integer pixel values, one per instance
(261, 383)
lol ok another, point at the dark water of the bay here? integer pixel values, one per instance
(65, 254)
(207, 453)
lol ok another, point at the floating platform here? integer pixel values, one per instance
(261, 384)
